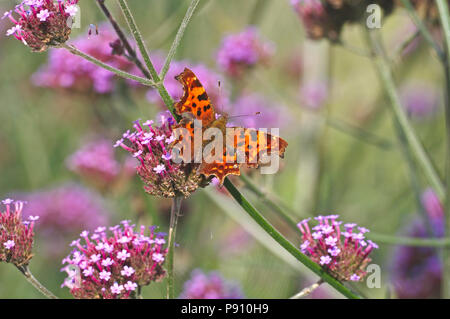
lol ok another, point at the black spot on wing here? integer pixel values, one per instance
(203, 97)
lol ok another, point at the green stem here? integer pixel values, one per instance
(387, 80)
(178, 37)
(269, 202)
(379, 238)
(445, 22)
(138, 38)
(174, 214)
(258, 218)
(99, 63)
(36, 284)
(422, 28)
(408, 241)
(131, 53)
(168, 101)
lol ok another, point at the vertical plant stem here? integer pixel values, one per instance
(445, 22)
(99, 63)
(422, 28)
(131, 53)
(387, 81)
(258, 218)
(32, 280)
(269, 202)
(168, 101)
(138, 37)
(308, 290)
(174, 214)
(178, 37)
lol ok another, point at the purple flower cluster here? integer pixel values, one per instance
(67, 71)
(243, 50)
(417, 271)
(42, 23)
(116, 266)
(151, 144)
(314, 18)
(344, 254)
(209, 286)
(96, 162)
(65, 211)
(16, 235)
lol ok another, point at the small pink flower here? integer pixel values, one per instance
(116, 288)
(130, 286)
(9, 244)
(43, 15)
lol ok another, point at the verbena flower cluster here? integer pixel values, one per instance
(416, 272)
(151, 145)
(65, 70)
(40, 24)
(16, 235)
(241, 51)
(65, 211)
(343, 254)
(325, 18)
(96, 163)
(209, 286)
(115, 266)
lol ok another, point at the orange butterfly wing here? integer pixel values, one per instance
(249, 144)
(194, 101)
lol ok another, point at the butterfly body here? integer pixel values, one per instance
(239, 145)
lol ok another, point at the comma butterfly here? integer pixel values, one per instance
(249, 145)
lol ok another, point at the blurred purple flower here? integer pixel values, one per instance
(209, 286)
(243, 50)
(417, 271)
(313, 94)
(95, 160)
(419, 99)
(64, 211)
(65, 70)
(315, 18)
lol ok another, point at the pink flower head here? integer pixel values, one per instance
(343, 254)
(40, 24)
(63, 212)
(16, 235)
(151, 145)
(72, 73)
(210, 286)
(96, 163)
(243, 50)
(118, 271)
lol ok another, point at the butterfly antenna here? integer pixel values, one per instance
(220, 96)
(242, 115)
